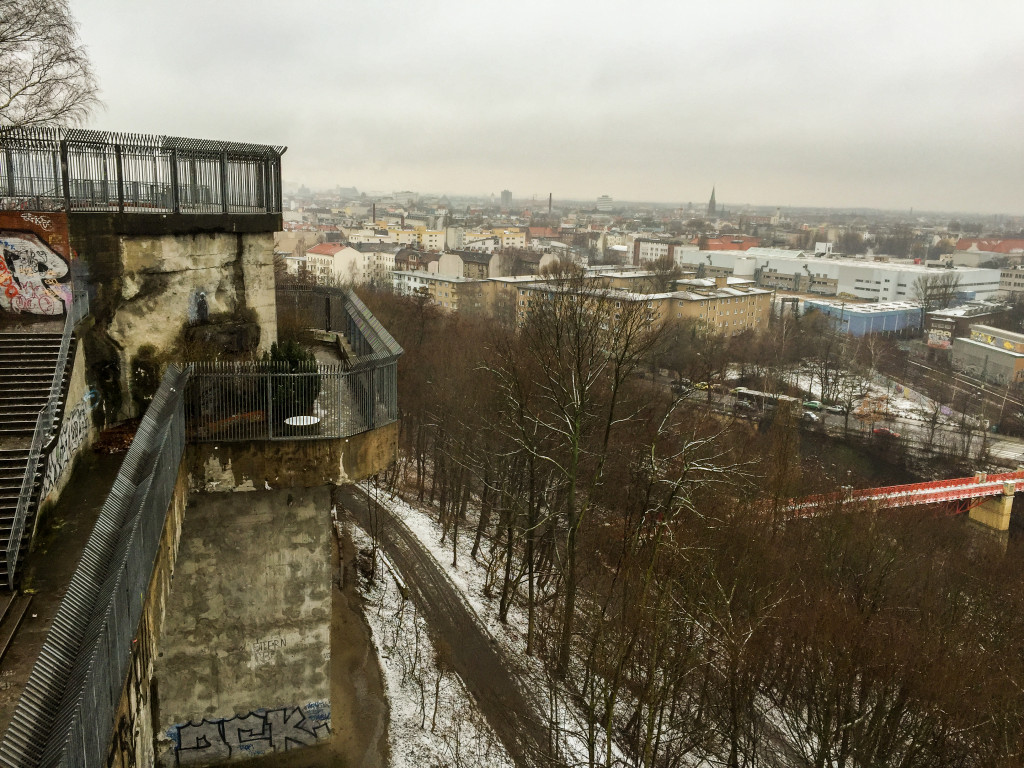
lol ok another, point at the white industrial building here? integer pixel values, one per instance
(806, 273)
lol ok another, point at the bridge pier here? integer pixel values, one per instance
(994, 513)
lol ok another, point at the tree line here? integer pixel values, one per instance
(670, 597)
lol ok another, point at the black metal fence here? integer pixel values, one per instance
(337, 310)
(273, 401)
(79, 170)
(268, 401)
(66, 713)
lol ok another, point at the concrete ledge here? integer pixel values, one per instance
(257, 465)
(152, 224)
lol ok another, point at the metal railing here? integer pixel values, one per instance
(45, 430)
(65, 715)
(270, 401)
(273, 401)
(57, 169)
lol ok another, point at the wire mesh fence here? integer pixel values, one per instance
(66, 714)
(81, 170)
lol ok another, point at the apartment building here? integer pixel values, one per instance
(726, 309)
(729, 309)
(450, 292)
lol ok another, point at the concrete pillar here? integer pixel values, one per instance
(994, 513)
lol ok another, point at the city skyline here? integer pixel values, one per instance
(792, 104)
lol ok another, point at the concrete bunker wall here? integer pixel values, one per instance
(244, 662)
(246, 466)
(76, 434)
(152, 275)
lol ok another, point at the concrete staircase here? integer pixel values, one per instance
(27, 365)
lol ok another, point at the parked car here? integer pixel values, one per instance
(702, 385)
(885, 432)
(813, 405)
(811, 417)
(835, 409)
(743, 405)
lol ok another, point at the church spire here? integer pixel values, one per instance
(711, 204)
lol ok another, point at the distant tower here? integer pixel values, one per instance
(712, 208)
(506, 199)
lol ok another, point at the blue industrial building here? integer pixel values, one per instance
(858, 319)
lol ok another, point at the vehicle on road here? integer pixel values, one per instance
(702, 385)
(835, 409)
(885, 432)
(811, 417)
(743, 405)
(813, 405)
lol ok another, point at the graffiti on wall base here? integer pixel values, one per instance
(256, 733)
(73, 433)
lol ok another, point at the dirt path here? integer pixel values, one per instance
(477, 659)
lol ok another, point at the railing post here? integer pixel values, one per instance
(66, 174)
(278, 194)
(175, 199)
(224, 181)
(9, 164)
(120, 178)
(270, 403)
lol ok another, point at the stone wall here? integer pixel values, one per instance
(259, 465)
(153, 275)
(244, 662)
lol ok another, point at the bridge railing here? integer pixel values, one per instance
(58, 169)
(65, 715)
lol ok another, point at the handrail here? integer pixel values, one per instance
(44, 432)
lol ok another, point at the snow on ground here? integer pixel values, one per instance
(469, 577)
(888, 396)
(433, 719)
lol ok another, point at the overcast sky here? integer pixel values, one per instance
(893, 104)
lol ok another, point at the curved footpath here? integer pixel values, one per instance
(475, 656)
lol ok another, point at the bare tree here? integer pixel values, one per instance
(936, 291)
(45, 75)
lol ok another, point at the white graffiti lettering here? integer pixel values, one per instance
(73, 433)
(40, 221)
(255, 733)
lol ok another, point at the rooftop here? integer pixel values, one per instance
(870, 308)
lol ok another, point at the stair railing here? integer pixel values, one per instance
(44, 432)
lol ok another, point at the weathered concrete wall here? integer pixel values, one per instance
(244, 663)
(132, 743)
(247, 466)
(148, 274)
(77, 433)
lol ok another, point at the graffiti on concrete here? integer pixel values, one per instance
(267, 650)
(33, 277)
(73, 433)
(256, 733)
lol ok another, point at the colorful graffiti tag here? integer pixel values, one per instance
(32, 277)
(35, 275)
(255, 733)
